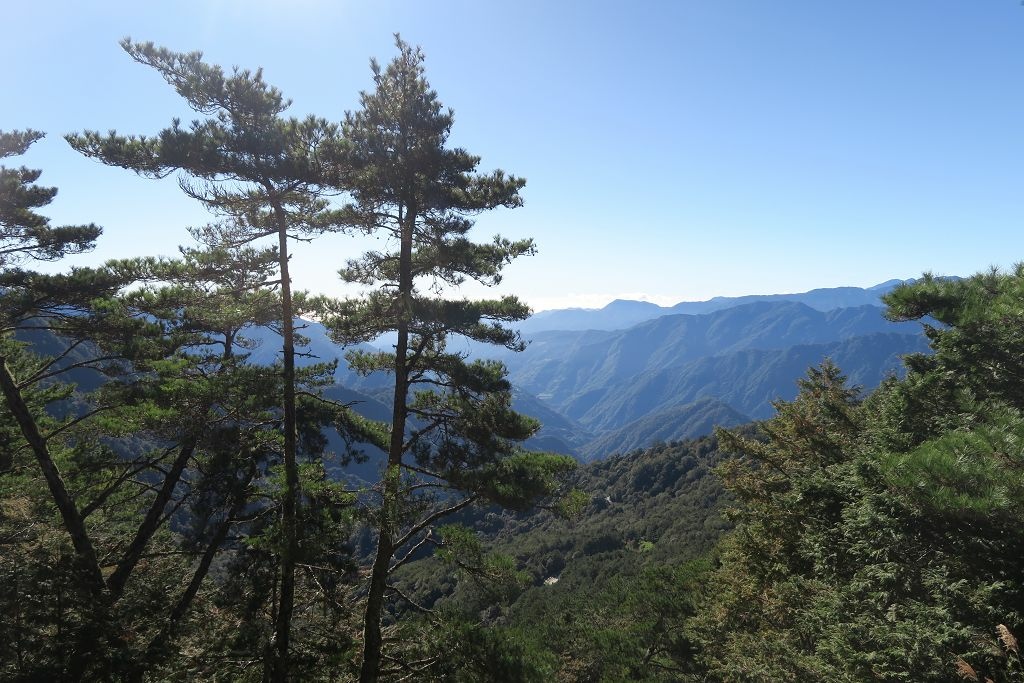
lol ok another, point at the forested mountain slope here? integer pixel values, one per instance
(748, 380)
(679, 422)
(745, 357)
(585, 385)
(657, 504)
(561, 366)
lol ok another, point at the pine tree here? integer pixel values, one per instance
(65, 316)
(25, 234)
(453, 433)
(177, 425)
(224, 410)
(261, 173)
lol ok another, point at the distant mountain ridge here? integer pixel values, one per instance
(563, 368)
(748, 381)
(671, 376)
(677, 423)
(623, 313)
(678, 375)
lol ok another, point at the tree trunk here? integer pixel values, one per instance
(289, 550)
(117, 580)
(372, 640)
(181, 607)
(73, 522)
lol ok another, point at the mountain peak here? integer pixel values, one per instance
(888, 284)
(621, 314)
(631, 305)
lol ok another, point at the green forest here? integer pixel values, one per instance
(171, 509)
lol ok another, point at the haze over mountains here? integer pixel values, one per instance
(633, 374)
(622, 313)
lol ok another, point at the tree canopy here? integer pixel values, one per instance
(453, 433)
(173, 509)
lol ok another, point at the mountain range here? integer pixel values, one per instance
(670, 376)
(623, 313)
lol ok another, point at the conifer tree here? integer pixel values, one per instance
(453, 433)
(31, 300)
(179, 425)
(261, 173)
(25, 234)
(225, 411)
(67, 316)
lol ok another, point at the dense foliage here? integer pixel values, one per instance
(166, 505)
(170, 509)
(880, 539)
(872, 537)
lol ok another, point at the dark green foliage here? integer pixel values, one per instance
(453, 434)
(609, 588)
(612, 589)
(977, 363)
(25, 234)
(262, 175)
(473, 654)
(883, 540)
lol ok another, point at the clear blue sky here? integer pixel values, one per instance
(673, 150)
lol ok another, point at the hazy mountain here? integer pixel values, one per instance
(664, 426)
(558, 434)
(572, 370)
(617, 315)
(824, 299)
(621, 314)
(747, 380)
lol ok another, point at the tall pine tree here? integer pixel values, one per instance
(453, 435)
(261, 173)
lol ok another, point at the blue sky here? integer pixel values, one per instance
(673, 150)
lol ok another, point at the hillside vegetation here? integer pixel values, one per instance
(198, 483)
(600, 392)
(857, 539)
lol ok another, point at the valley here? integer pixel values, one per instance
(672, 376)
(613, 376)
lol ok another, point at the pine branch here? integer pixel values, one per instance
(430, 519)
